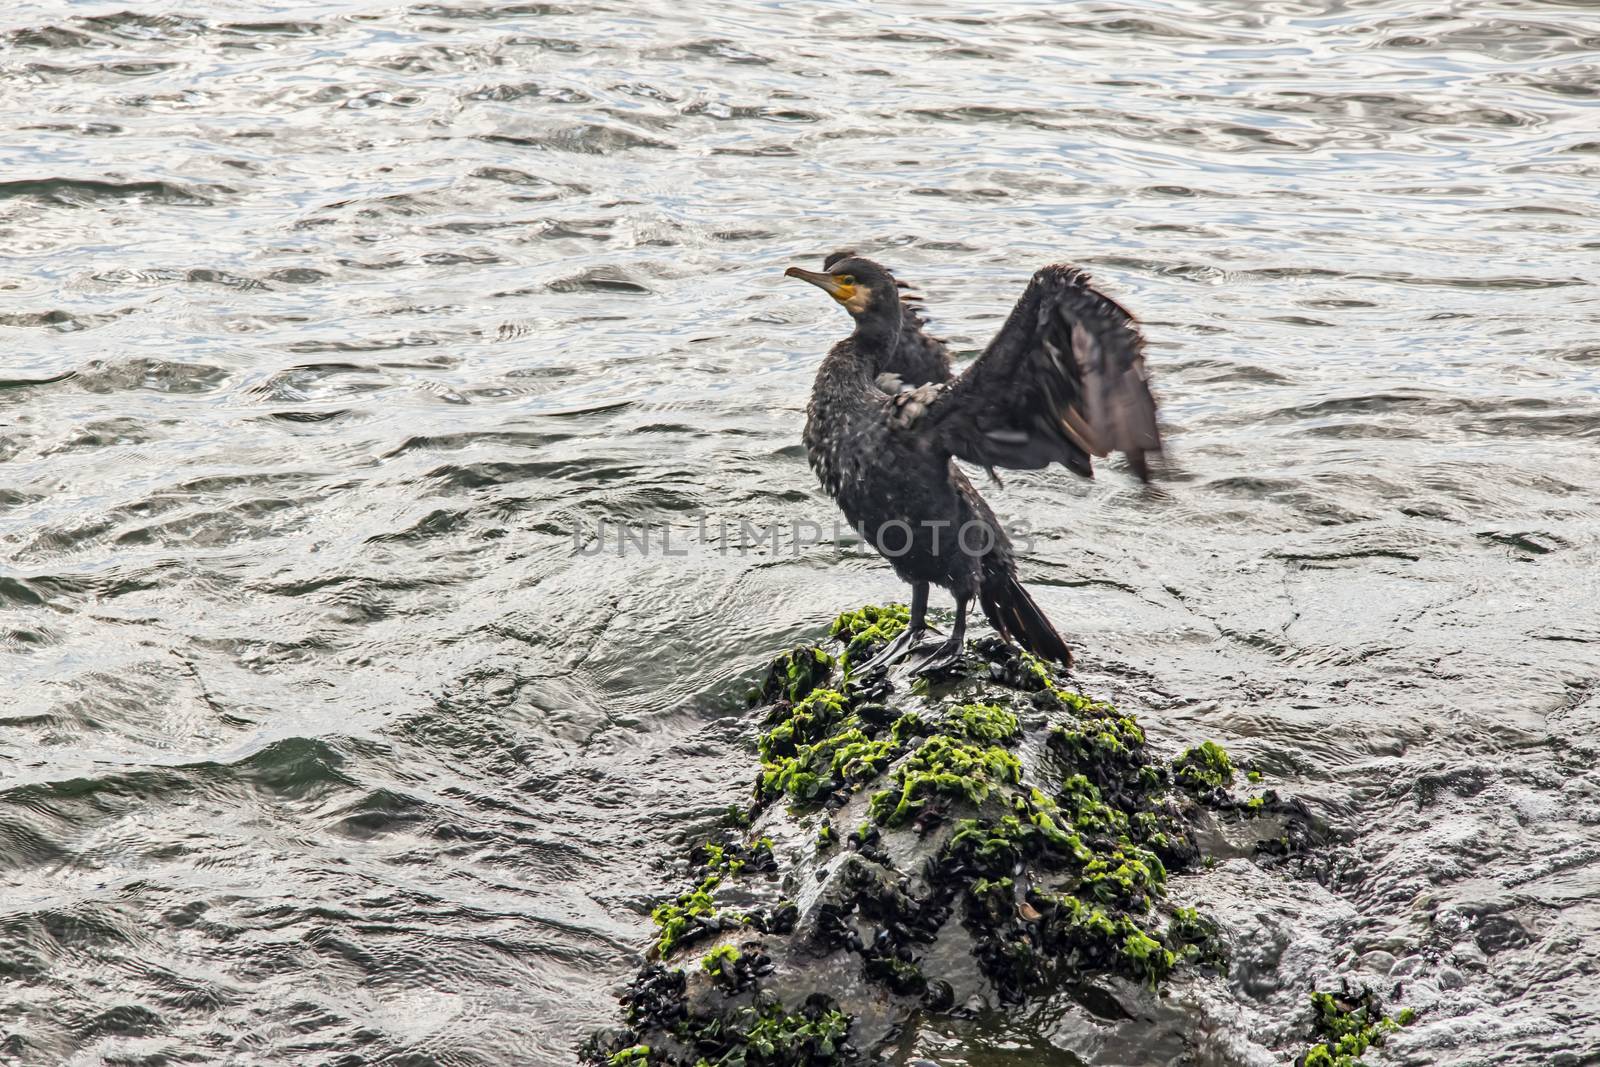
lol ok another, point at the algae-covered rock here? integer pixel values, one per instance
(1348, 1024)
(1203, 768)
(868, 628)
(976, 842)
(794, 674)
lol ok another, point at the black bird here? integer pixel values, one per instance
(1062, 381)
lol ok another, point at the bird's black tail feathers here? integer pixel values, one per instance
(1013, 613)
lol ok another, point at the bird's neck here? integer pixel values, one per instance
(878, 333)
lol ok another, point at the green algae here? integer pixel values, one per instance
(1093, 924)
(676, 919)
(1108, 749)
(1030, 673)
(1348, 1025)
(1044, 817)
(1079, 936)
(794, 674)
(1203, 768)
(900, 977)
(774, 1036)
(797, 752)
(719, 961)
(1146, 957)
(866, 629)
(759, 854)
(986, 723)
(734, 857)
(944, 766)
(1090, 813)
(1102, 829)
(1195, 938)
(1111, 833)
(908, 726)
(1035, 673)
(855, 755)
(1000, 846)
(1128, 878)
(733, 971)
(1113, 739)
(823, 743)
(762, 1032)
(992, 902)
(806, 722)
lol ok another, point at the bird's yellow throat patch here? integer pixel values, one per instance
(852, 296)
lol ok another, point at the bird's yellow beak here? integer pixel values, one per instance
(828, 283)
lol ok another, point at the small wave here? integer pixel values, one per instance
(596, 281)
(134, 26)
(83, 192)
(154, 375)
(587, 139)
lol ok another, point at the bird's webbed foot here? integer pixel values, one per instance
(896, 650)
(946, 658)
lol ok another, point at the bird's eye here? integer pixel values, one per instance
(848, 279)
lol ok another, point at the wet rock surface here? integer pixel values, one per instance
(972, 842)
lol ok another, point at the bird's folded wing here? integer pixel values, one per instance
(1062, 381)
(918, 356)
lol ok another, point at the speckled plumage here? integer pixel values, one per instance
(895, 488)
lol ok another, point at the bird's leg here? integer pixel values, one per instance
(948, 654)
(907, 639)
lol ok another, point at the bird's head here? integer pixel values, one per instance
(865, 289)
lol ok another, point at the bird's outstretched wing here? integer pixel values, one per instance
(1062, 381)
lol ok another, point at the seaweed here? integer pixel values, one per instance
(984, 723)
(793, 675)
(734, 971)
(734, 857)
(1109, 750)
(1195, 938)
(867, 629)
(944, 766)
(797, 752)
(815, 1035)
(690, 917)
(1348, 1024)
(763, 1033)
(1203, 768)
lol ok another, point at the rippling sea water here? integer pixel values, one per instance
(324, 325)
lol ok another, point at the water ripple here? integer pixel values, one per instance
(328, 333)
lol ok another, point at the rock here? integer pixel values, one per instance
(980, 842)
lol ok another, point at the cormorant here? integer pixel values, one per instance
(1062, 381)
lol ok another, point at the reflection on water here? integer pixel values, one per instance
(325, 324)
